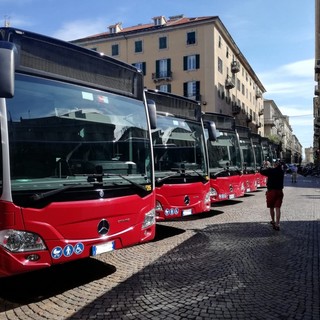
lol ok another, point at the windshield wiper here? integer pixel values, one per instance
(126, 179)
(159, 180)
(43, 195)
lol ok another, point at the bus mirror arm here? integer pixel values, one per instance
(8, 54)
(152, 110)
(212, 131)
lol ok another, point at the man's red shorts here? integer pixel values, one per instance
(274, 198)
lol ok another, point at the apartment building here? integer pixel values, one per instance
(278, 129)
(193, 57)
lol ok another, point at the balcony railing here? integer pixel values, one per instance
(258, 94)
(162, 76)
(229, 83)
(248, 117)
(235, 66)
(236, 109)
(317, 66)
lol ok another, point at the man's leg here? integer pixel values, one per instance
(278, 216)
(272, 215)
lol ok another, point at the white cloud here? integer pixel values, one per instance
(81, 28)
(291, 86)
(296, 79)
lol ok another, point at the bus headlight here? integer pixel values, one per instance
(213, 192)
(158, 206)
(207, 198)
(21, 241)
(149, 219)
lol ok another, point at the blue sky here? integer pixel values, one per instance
(276, 37)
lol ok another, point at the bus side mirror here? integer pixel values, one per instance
(152, 110)
(212, 131)
(7, 68)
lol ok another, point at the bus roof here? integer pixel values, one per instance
(50, 57)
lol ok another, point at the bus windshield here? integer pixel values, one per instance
(179, 144)
(61, 132)
(224, 152)
(248, 152)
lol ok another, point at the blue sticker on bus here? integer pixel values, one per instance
(78, 248)
(56, 252)
(68, 250)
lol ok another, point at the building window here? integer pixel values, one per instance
(238, 84)
(191, 90)
(191, 62)
(138, 46)
(191, 37)
(140, 66)
(162, 42)
(163, 68)
(221, 93)
(115, 50)
(220, 65)
(242, 89)
(220, 42)
(227, 52)
(164, 88)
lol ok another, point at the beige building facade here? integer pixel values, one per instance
(193, 57)
(197, 58)
(278, 130)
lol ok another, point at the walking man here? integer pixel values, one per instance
(274, 194)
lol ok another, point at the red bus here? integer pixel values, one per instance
(225, 160)
(180, 157)
(76, 150)
(249, 160)
(258, 151)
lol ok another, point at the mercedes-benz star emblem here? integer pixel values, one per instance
(103, 227)
(186, 200)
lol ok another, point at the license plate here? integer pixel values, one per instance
(187, 212)
(102, 248)
(231, 196)
(248, 190)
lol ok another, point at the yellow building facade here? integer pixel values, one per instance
(192, 57)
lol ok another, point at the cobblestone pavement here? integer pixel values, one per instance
(226, 264)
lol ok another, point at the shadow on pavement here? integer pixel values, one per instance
(41, 284)
(245, 269)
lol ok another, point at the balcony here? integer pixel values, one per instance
(258, 125)
(162, 76)
(248, 117)
(236, 109)
(229, 83)
(317, 66)
(269, 122)
(235, 66)
(260, 113)
(258, 94)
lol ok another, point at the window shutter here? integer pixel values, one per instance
(169, 66)
(185, 63)
(157, 68)
(197, 61)
(144, 68)
(185, 89)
